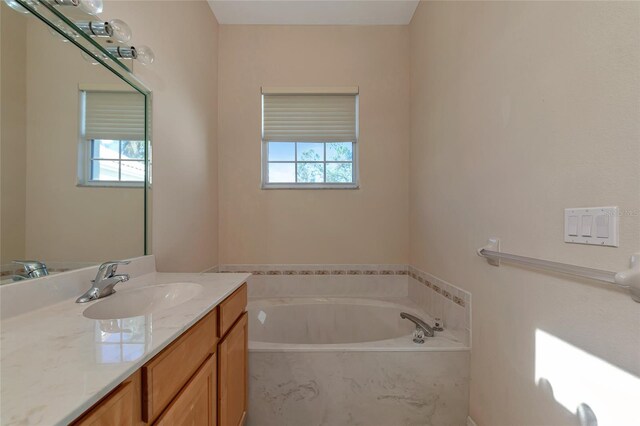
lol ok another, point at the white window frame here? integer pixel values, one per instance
(85, 145)
(355, 184)
(85, 162)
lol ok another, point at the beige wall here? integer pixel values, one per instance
(519, 110)
(368, 225)
(13, 118)
(65, 222)
(184, 83)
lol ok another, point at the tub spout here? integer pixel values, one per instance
(420, 324)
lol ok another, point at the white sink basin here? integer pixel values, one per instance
(142, 301)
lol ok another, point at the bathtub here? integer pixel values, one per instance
(351, 361)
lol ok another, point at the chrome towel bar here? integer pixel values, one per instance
(629, 279)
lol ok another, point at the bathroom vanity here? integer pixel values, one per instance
(166, 348)
(199, 379)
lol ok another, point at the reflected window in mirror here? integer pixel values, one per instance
(112, 148)
(116, 161)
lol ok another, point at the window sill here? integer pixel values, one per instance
(298, 186)
(121, 185)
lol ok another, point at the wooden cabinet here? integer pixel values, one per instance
(169, 371)
(194, 381)
(232, 374)
(196, 404)
(120, 407)
(231, 309)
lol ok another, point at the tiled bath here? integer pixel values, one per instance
(390, 382)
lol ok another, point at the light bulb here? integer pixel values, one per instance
(119, 30)
(13, 4)
(145, 55)
(92, 7)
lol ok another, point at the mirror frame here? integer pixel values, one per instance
(61, 24)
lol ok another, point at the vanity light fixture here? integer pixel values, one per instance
(115, 29)
(91, 7)
(143, 54)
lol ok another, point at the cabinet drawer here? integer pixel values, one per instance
(231, 308)
(169, 371)
(195, 405)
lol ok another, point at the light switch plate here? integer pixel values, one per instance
(592, 225)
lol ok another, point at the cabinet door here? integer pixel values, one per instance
(195, 405)
(232, 375)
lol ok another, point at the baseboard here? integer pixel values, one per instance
(470, 422)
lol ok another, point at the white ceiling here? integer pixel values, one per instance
(314, 12)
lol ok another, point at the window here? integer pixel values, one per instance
(112, 132)
(116, 161)
(309, 138)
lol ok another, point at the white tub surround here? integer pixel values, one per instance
(55, 363)
(442, 300)
(327, 346)
(399, 283)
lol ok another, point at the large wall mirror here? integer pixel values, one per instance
(74, 152)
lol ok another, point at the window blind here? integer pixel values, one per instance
(309, 117)
(113, 115)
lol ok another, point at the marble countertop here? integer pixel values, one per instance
(55, 363)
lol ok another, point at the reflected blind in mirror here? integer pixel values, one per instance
(309, 117)
(113, 115)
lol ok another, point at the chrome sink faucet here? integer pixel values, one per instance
(106, 279)
(422, 328)
(32, 269)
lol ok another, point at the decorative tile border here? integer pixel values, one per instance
(317, 269)
(456, 295)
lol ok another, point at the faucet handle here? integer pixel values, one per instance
(438, 325)
(108, 269)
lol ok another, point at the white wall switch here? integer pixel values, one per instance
(591, 225)
(586, 221)
(602, 226)
(573, 225)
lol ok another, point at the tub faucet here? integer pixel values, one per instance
(106, 279)
(422, 328)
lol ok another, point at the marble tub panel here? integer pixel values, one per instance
(358, 388)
